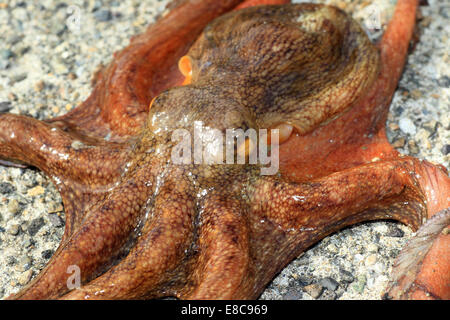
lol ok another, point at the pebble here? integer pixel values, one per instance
(431, 126)
(394, 231)
(346, 276)
(413, 147)
(103, 15)
(47, 254)
(25, 263)
(60, 68)
(332, 248)
(39, 86)
(25, 277)
(446, 149)
(444, 81)
(372, 247)
(13, 206)
(6, 54)
(56, 220)
(55, 207)
(14, 229)
(4, 64)
(35, 225)
(38, 190)
(12, 96)
(360, 284)
(10, 260)
(95, 4)
(329, 283)
(314, 290)
(6, 188)
(399, 143)
(416, 94)
(393, 126)
(72, 76)
(328, 295)
(26, 243)
(293, 294)
(394, 253)
(371, 260)
(5, 106)
(18, 77)
(407, 126)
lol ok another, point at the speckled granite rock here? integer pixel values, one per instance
(46, 63)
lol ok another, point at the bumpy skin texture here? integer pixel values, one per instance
(140, 226)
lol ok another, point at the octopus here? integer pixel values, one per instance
(142, 224)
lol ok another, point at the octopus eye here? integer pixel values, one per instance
(284, 130)
(185, 66)
(247, 147)
(151, 103)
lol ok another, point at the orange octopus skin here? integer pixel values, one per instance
(223, 232)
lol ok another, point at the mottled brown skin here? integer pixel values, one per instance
(140, 226)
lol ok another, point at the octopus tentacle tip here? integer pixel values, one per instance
(184, 64)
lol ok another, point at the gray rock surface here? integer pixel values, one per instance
(46, 63)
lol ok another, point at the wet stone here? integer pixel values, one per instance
(13, 206)
(95, 5)
(26, 243)
(10, 260)
(35, 225)
(394, 253)
(39, 86)
(346, 276)
(103, 15)
(399, 110)
(5, 106)
(6, 54)
(293, 294)
(329, 283)
(407, 126)
(6, 187)
(399, 143)
(395, 232)
(14, 39)
(413, 147)
(314, 290)
(4, 64)
(25, 277)
(14, 229)
(38, 190)
(18, 78)
(431, 126)
(360, 284)
(446, 149)
(370, 260)
(25, 263)
(444, 82)
(56, 220)
(328, 295)
(47, 254)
